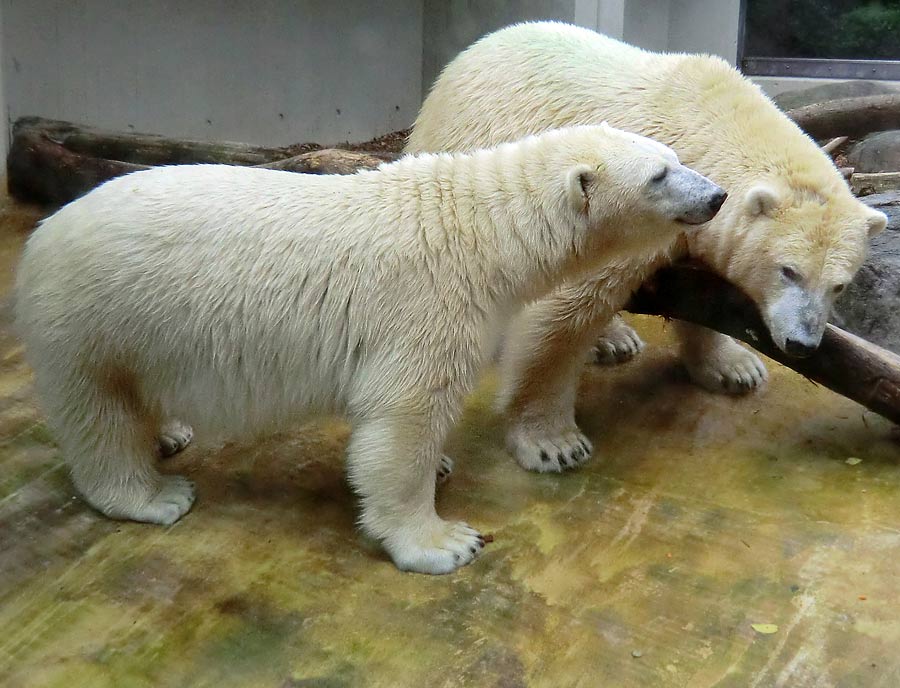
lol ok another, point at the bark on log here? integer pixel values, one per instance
(150, 149)
(41, 170)
(874, 182)
(52, 162)
(844, 363)
(331, 161)
(853, 117)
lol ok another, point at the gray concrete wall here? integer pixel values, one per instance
(705, 26)
(452, 25)
(267, 72)
(662, 25)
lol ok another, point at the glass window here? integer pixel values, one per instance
(796, 36)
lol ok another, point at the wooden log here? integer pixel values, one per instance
(52, 162)
(874, 182)
(151, 149)
(331, 161)
(844, 363)
(834, 144)
(41, 170)
(853, 117)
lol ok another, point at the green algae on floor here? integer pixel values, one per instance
(698, 517)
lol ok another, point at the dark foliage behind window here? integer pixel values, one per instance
(823, 29)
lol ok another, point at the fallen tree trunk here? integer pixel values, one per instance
(42, 170)
(150, 149)
(845, 363)
(852, 117)
(52, 162)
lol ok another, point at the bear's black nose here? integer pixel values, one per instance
(799, 349)
(716, 201)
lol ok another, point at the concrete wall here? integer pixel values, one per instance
(266, 72)
(452, 25)
(663, 25)
(705, 26)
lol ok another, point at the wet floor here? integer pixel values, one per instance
(701, 517)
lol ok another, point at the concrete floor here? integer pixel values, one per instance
(701, 516)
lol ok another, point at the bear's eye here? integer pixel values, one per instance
(790, 274)
(838, 288)
(659, 176)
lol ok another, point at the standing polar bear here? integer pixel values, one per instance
(791, 235)
(240, 299)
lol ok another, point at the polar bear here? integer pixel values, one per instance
(239, 299)
(791, 235)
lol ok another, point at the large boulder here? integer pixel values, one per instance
(879, 152)
(870, 306)
(857, 88)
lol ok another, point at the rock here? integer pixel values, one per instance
(870, 306)
(856, 88)
(879, 152)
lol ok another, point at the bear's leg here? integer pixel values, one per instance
(109, 440)
(174, 436)
(392, 463)
(546, 349)
(618, 343)
(717, 362)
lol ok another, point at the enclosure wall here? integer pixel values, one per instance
(265, 72)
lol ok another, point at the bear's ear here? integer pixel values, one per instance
(876, 221)
(761, 199)
(579, 181)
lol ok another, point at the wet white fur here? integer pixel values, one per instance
(240, 300)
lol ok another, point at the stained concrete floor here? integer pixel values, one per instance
(702, 516)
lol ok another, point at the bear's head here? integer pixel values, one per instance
(801, 246)
(637, 189)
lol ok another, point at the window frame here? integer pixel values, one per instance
(812, 68)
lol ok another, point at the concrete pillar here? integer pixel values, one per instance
(705, 26)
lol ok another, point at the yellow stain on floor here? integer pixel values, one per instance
(699, 516)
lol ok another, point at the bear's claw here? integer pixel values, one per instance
(550, 454)
(174, 436)
(441, 547)
(444, 469)
(617, 344)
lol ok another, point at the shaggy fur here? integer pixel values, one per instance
(791, 234)
(240, 299)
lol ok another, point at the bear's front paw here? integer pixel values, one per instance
(617, 344)
(549, 454)
(435, 547)
(731, 369)
(174, 436)
(172, 501)
(444, 469)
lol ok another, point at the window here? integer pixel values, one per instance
(844, 39)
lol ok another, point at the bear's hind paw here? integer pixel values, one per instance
(734, 370)
(550, 454)
(617, 344)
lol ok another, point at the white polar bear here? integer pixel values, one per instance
(241, 299)
(791, 235)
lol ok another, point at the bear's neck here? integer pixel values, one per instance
(503, 233)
